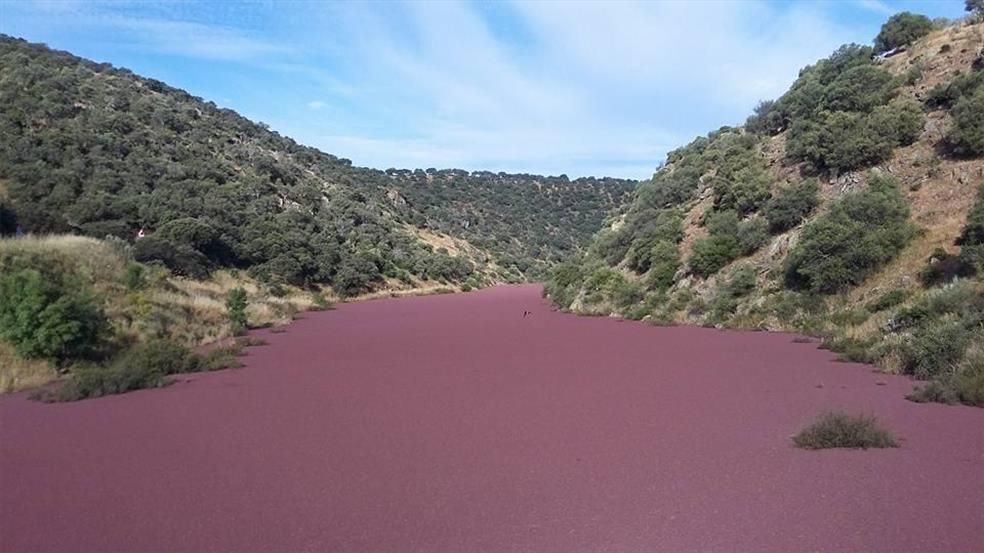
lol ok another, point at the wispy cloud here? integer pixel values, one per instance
(578, 88)
(876, 6)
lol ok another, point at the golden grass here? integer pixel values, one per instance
(17, 373)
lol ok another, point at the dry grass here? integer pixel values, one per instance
(17, 373)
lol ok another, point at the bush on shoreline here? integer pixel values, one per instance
(839, 430)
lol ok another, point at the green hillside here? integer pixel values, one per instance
(847, 209)
(94, 150)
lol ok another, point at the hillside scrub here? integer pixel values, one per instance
(95, 150)
(791, 204)
(862, 231)
(966, 135)
(145, 365)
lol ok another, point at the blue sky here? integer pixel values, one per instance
(542, 87)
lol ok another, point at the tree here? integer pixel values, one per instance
(791, 204)
(42, 317)
(862, 232)
(975, 7)
(966, 135)
(902, 29)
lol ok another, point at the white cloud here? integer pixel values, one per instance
(594, 87)
(876, 6)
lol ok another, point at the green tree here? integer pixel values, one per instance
(41, 317)
(791, 204)
(862, 232)
(975, 7)
(966, 135)
(902, 29)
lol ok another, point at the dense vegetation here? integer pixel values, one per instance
(99, 151)
(861, 232)
(785, 223)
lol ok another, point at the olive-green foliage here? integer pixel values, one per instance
(144, 365)
(753, 233)
(862, 231)
(843, 141)
(840, 430)
(791, 204)
(942, 267)
(971, 239)
(664, 261)
(181, 259)
(712, 252)
(824, 86)
(740, 282)
(973, 230)
(902, 29)
(624, 292)
(564, 283)
(95, 150)
(936, 338)
(236, 302)
(945, 95)
(966, 135)
(935, 348)
(45, 314)
(135, 278)
(887, 300)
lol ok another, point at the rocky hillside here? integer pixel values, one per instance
(844, 209)
(95, 150)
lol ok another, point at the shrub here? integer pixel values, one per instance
(935, 349)
(887, 300)
(966, 135)
(145, 365)
(839, 430)
(945, 95)
(791, 204)
(320, 302)
(624, 292)
(664, 261)
(44, 317)
(753, 233)
(765, 120)
(861, 233)
(973, 230)
(355, 275)
(135, 279)
(859, 89)
(902, 29)
(741, 281)
(835, 141)
(564, 284)
(711, 253)
(901, 122)
(943, 267)
(181, 259)
(236, 302)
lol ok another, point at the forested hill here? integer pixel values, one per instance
(850, 208)
(90, 149)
